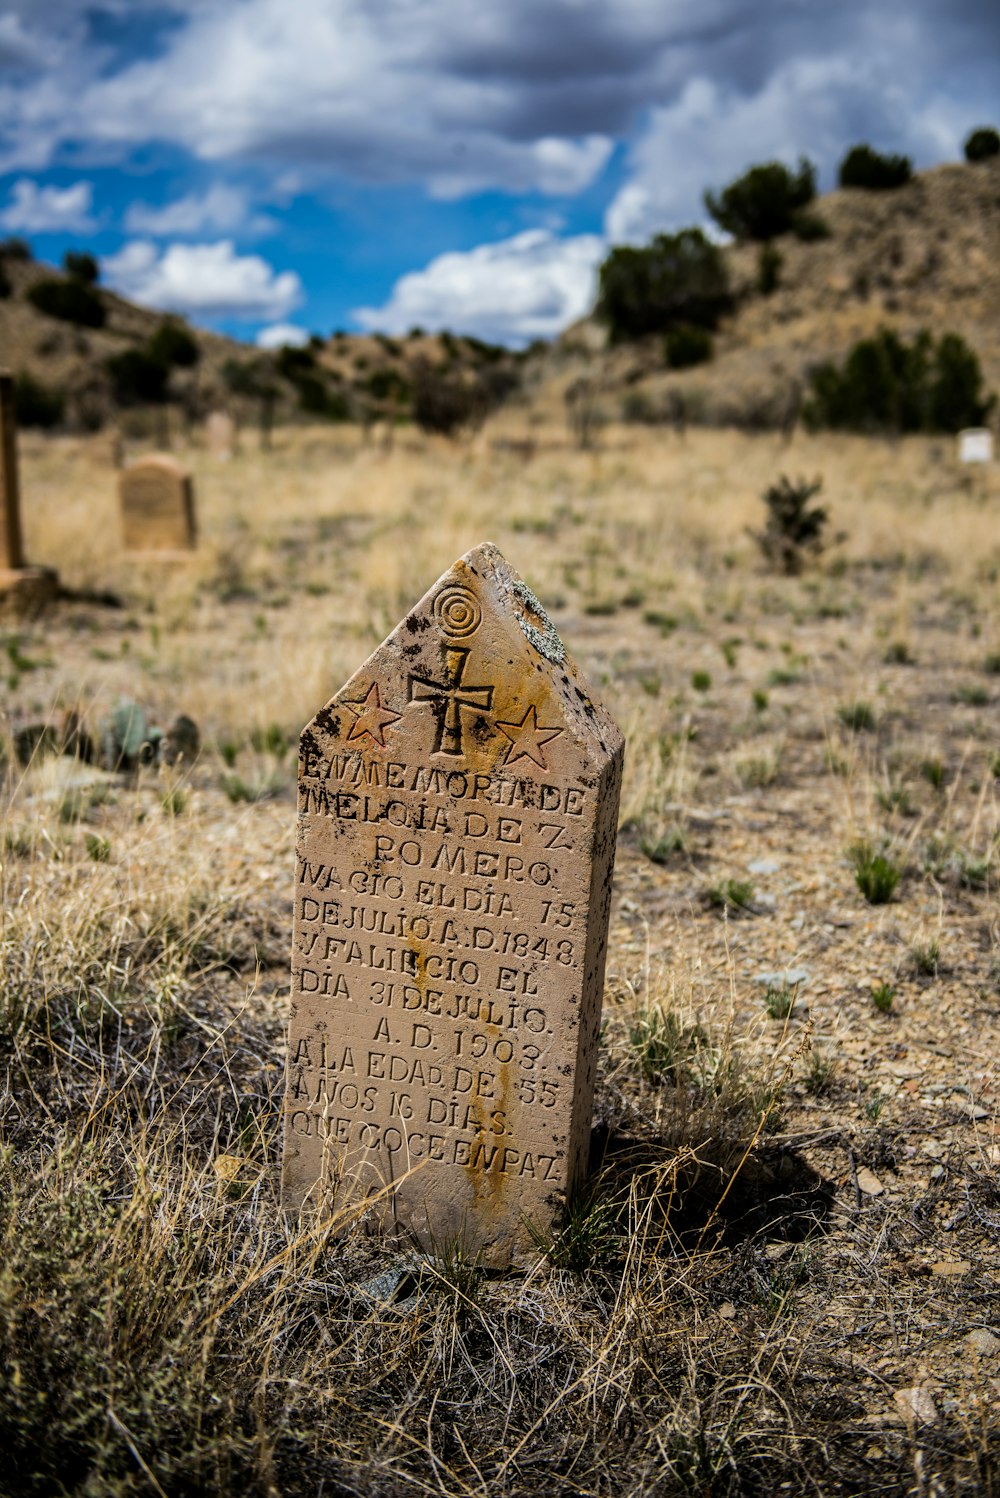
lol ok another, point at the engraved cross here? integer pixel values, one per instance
(448, 697)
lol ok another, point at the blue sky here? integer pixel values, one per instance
(263, 166)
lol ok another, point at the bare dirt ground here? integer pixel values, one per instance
(788, 1273)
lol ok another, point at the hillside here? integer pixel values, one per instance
(356, 377)
(925, 255)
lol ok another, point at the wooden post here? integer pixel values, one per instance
(11, 541)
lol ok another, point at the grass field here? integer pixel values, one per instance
(786, 1273)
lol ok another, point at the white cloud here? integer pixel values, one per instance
(516, 95)
(518, 289)
(44, 210)
(282, 335)
(220, 209)
(202, 279)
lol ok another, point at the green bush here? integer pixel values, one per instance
(983, 143)
(317, 400)
(173, 344)
(444, 402)
(293, 362)
(137, 378)
(890, 386)
(677, 278)
(769, 263)
(867, 168)
(37, 404)
(80, 266)
(764, 201)
(70, 301)
(388, 385)
(794, 527)
(685, 346)
(15, 249)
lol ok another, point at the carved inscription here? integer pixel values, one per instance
(451, 893)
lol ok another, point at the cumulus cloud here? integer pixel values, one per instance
(710, 134)
(209, 280)
(44, 210)
(515, 290)
(515, 95)
(282, 335)
(220, 209)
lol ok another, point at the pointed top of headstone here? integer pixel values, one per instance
(477, 675)
(458, 801)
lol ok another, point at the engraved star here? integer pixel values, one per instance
(527, 738)
(370, 717)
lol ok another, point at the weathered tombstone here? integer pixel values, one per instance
(458, 802)
(157, 503)
(975, 445)
(21, 586)
(220, 435)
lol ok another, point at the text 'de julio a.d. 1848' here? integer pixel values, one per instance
(458, 800)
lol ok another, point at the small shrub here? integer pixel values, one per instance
(701, 680)
(37, 404)
(174, 800)
(870, 169)
(663, 1045)
(98, 848)
(734, 895)
(926, 957)
(934, 770)
(665, 623)
(686, 346)
(859, 717)
(779, 999)
(820, 1072)
(875, 874)
(677, 278)
(898, 654)
(894, 798)
(883, 996)
(769, 263)
(69, 301)
(983, 143)
(794, 528)
(663, 849)
(760, 700)
(237, 789)
(81, 266)
(764, 201)
(588, 1233)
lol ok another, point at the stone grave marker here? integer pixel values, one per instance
(21, 586)
(157, 504)
(975, 445)
(220, 435)
(458, 803)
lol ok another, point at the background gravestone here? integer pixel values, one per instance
(220, 435)
(458, 803)
(157, 504)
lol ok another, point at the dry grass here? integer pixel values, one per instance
(733, 1306)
